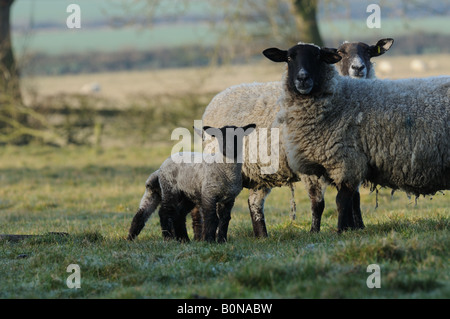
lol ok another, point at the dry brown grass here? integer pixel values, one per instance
(121, 85)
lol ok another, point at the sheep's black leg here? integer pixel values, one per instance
(211, 221)
(344, 202)
(317, 207)
(256, 200)
(197, 223)
(224, 213)
(357, 217)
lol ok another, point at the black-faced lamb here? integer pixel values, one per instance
(186, 180)
(258, 103)
(393, 133)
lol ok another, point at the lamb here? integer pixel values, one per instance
(258, 102)
(393, 133)
(185, 180)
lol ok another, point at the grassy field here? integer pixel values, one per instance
(93, 194)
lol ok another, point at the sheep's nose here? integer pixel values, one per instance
(358, 67)
(302, 75)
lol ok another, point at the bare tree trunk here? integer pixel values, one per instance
(9, 74)
(13, 119)
(306, 20)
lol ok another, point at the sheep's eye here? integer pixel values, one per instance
(289, 59)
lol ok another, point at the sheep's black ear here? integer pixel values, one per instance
(276, 55)
(248, 129)
(329, 55)
(381, 47)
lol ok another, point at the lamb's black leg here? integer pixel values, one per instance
(150, 202)
(179, 227)
(344, 203)
(224, 213)
(180, 221)
(137, 223)
(256, 200)
(167, 216)
(357, 217)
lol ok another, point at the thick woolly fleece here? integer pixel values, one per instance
(256, 103)
(393, 133)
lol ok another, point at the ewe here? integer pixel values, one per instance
(393, 133)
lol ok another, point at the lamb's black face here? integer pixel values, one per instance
(356, 57)
(230, 138)
(304, 65)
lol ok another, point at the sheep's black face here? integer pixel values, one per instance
(356, 57)
(304, 65)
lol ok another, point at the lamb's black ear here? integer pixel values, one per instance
(210, 130)
(276, 55)
(248, 129)
(198, 131)
(329, 55)
(381, 47)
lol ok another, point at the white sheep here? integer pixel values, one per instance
(258, 103)
(210, 182)
(393, 133)
(90, 88)
(417, 65)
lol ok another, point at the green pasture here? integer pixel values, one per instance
(93, 193)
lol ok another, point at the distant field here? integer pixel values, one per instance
(106, 39)
(121, 85)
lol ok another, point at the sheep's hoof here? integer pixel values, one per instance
(221, 240)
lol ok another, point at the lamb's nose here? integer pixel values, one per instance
(358, 67)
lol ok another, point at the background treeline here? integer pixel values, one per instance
(193, 55)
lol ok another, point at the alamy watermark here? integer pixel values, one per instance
(374, 280)
(73, 21)
(374, 19)
(74, 280)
